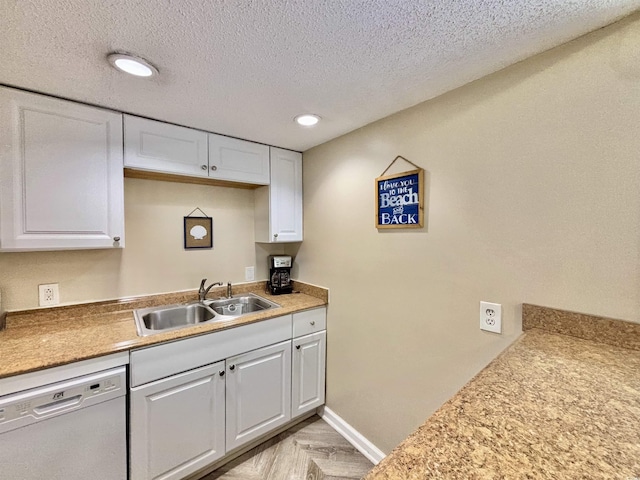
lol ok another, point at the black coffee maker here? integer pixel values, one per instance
(280, 274)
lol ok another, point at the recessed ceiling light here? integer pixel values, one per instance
(307, 120)
(131, 64)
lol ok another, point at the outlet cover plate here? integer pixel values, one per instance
(48, 294)
(491, 317)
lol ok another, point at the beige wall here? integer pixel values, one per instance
(154, 260)
(534, 196)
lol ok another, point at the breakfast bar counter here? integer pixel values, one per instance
(552, 406)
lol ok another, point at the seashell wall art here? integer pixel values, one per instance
(198, 231)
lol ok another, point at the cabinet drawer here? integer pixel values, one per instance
(309, 321)
(153, 363)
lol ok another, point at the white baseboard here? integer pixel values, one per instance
(355, 438)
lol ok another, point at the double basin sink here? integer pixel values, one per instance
(172, 317)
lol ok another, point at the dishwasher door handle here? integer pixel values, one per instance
(58, 405)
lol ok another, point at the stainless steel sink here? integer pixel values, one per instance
(240, 305)
(172, 317)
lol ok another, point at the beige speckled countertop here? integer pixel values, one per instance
(42, 338)
(552, 406)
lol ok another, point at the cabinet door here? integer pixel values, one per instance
(258, 393)
(279, 208)
(162, 147)
(308, 378)
(238, 160)
(177, 424)
(61, 175)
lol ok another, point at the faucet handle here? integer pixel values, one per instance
(204, 280)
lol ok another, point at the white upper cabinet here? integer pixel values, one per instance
(162, 147)
(278, 208)
(237, 160)
(61, 175)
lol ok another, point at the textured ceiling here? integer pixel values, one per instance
(246, 68)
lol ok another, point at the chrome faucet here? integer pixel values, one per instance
(229, 292)
(202, 292)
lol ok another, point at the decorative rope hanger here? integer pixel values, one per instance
(394, 161)
(198, 208)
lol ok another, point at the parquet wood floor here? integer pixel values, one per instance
(311, 450)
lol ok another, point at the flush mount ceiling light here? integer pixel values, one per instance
(307, 119)
(131, 64)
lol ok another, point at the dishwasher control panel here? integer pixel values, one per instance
(24, 408)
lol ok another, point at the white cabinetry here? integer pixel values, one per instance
(162, 147)
(178, 424)
(308, 377)
(238, 160)
(195, 399)
(170, 149)
(278, 208)
(258, 393)
(309, 360)
(61, 175)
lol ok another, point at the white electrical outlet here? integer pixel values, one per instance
(48, 294)
(491, 317)
(249, 274)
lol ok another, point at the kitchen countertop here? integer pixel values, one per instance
(43, 338)
(550, 406)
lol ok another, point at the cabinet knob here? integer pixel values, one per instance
(221, 372)
(275, 235)
(214, 168)
(232, 367)
(312, 322)
(297, 347)
(116, 239)
(203, 167)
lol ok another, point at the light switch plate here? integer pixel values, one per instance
(491, 317)
(249, 274)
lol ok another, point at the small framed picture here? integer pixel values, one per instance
(198, 232)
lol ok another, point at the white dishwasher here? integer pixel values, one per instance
(71, 430)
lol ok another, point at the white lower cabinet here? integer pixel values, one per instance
(177, 424)
(192, 401)
(258, 393)
(308, 378)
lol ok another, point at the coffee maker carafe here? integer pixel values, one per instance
(280, 274)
